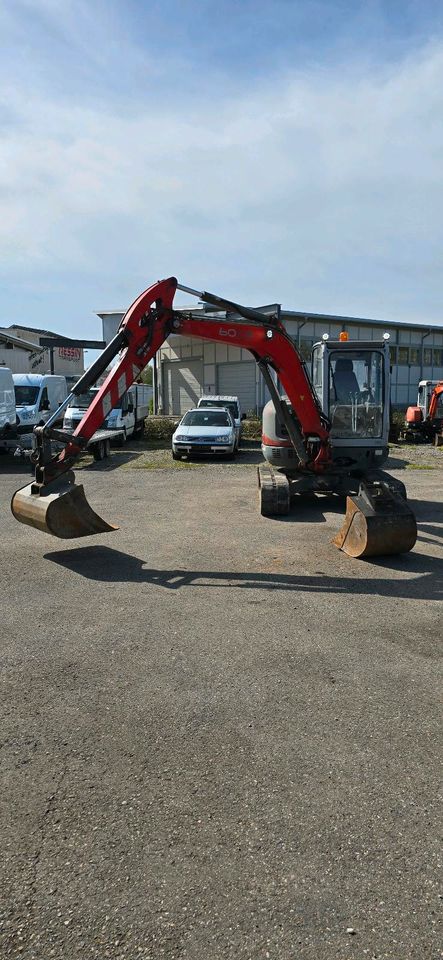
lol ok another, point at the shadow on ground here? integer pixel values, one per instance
(107, 565)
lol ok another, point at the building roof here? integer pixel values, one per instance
(18, 342)
(306, 315)
(362, 321)
(44, 333)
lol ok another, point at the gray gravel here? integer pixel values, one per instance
(219, 734)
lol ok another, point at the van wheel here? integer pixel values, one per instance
(122, 440)
(107, 444)
(99, 450)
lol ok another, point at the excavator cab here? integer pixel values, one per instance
(352, 383)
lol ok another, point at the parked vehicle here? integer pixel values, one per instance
(229, 403)
(130, 415)
(75, 412)
(37, 397)
(7, 409)
(424, 422)
(205, 430)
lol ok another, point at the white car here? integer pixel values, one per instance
(229, 403)
(204, 431)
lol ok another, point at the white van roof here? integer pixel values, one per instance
(33, 379)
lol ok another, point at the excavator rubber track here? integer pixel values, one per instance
(63, 511)
(378, 522)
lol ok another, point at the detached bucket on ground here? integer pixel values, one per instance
(376, 524)
(63, 512)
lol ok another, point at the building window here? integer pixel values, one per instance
(393, 353)
(403, 354)
(414, 355)
(9, 346)
(427, 356)
(438, 357)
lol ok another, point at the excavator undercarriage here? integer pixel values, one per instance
(378, 520)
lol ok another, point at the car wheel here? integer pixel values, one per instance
(176, 456)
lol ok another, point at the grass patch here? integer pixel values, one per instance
(163, 463)
(419, 466)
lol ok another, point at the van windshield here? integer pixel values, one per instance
(84, 400)
(26, 396)
(230, 405)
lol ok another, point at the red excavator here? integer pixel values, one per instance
(424, 422)
(330, 427)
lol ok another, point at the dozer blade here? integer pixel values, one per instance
(377, 522)
(64, 512)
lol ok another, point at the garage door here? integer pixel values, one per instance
(238, 380)
(182, 385)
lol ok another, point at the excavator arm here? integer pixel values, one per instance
(144, 328)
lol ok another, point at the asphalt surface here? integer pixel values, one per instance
(220, 736)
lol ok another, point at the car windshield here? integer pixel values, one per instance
(26, 396)
(230, 405)
(206, 418)
(84, 400)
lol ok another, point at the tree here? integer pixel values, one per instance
(146, 376)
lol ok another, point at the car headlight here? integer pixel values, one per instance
(222, 438)
(180, 437)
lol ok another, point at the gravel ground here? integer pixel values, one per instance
(157, 455)
(220, 735)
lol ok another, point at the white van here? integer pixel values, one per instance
(7, 408)
(132, 411)
(129, 416)
(230, 403)
(37, 397)
(77, 408)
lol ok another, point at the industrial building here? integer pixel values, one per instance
(189, 367)
(21, 351)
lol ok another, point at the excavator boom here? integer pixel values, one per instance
(55, 504)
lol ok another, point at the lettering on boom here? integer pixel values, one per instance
(232, 332)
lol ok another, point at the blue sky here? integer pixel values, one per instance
(269, 150)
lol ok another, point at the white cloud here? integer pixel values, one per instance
(321, 188)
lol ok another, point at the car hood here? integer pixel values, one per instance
(203, 431)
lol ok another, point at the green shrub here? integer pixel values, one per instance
(396, 423)
(160, 428)
(252, 429)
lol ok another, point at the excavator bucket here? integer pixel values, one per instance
(377, 522)
(63, 512)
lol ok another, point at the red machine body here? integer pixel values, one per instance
(414, 415)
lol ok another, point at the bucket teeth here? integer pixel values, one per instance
(378, 522)
(63, 513)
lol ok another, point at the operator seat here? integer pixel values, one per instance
(344, 380)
